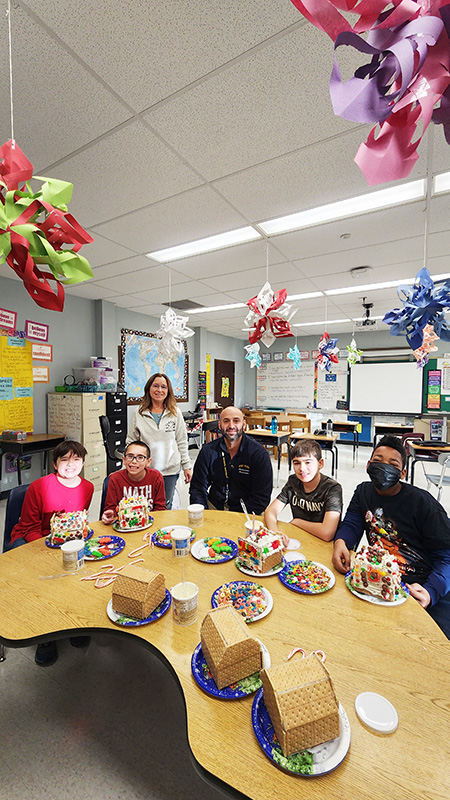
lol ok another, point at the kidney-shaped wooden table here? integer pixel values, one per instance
(397, 652)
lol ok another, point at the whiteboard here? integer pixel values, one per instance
(386, 388)
(279, 384)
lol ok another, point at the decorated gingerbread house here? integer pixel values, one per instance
(133, 512)
(65, 526)
(229, 650)
(376, 572)
(261, 551)
(300, 699)
(138, 591)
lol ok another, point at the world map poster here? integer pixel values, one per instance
(141, 359)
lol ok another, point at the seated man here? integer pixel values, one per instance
(136, 479)
(315, 499)
(232, 468)
(408, 522)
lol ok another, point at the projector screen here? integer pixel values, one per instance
(391, 388)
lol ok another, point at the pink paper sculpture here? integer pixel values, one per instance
(407, 75)
(35, 229)
(422, 353)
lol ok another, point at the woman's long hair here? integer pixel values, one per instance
(169, 401)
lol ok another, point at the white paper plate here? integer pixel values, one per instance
(376, 712)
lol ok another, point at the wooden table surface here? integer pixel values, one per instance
(398, 652)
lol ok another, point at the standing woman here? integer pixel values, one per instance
(159, 423)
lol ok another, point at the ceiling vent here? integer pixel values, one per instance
(183, 305)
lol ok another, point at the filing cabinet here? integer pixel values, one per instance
(116, 411)
(76, 416)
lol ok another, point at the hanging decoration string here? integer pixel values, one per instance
(8, 14)
(428, 197)
(267, 262)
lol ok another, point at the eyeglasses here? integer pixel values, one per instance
(130, 458)
(159, 386)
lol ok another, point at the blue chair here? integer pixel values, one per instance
(104, 490)
(12, 516)
(13, 512)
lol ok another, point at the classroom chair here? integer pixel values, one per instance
(103, 498)
(441, 479)
(12, 515)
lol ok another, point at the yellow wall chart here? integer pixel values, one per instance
(16, 384)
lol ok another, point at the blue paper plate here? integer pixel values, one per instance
(237, 690)
(166, 529)
(88, 536)
(129, 622)
(235, 587)
(115, 547)
(287, 572)
(316, 760)
(200, 547)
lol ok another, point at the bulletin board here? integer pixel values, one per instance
(16, 384)
(279, 384)
(436, 385)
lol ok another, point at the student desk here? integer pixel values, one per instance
(211, 426)
(385, 429)
(345, 426)
(36, 443)
(398, 652)
(419, 450)
(326, 443)
(276, 439)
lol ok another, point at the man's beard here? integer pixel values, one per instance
(235, 436)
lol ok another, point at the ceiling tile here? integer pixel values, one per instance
(184, 218)
(230, 259)
(138, 281)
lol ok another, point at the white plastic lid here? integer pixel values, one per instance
(73, 546)
(293, 544)
(376, 712)
(181, 533)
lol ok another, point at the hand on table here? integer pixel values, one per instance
(420, 594)
(187, 475)
(108, 517)
(341, 556)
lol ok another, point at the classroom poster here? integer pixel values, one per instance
(434, 389)
(16, 384)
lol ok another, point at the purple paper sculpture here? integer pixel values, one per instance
(423, 304)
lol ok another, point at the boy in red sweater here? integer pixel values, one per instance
(136, 479)
(63, 490)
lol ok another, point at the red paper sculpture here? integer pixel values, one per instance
(36, 229)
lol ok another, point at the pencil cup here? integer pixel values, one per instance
(184, 603)
(73, 555)
(195, 512)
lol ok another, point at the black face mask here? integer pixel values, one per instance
(383, 476)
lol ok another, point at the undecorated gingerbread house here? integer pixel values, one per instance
(301, 702)
(138, 591)
(229, 650)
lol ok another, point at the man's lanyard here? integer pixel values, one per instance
(226, 507)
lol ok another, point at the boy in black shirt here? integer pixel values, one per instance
(408, 522)
(315, 499)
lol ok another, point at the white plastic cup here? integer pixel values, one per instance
(184, 603)
(181, 539)
(196, 512)
(248, 526)
(73, 555)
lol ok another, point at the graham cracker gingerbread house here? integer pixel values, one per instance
(301, 703)
(229, 650)
(138, 591)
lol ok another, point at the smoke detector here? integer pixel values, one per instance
(356, 272)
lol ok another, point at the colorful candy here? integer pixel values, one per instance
(308, 577)
(247, 598)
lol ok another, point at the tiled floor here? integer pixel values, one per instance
(93, 726)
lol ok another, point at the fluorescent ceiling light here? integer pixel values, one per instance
(215, 308)
(322, 322)
(238, 236)
(306, 296)
(353, 206)
(441, 183)
(367, 287)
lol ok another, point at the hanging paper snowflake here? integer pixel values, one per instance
(262, 322)
(423, 303)
(294, 355)
(36, 231)
(172, 333)
(428, 346)
(327, 352)
(354, 354)
(253, 355)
